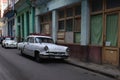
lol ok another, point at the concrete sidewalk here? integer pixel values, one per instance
(107, 70)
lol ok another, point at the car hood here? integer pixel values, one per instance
(55, 48)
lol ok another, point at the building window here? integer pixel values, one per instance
(61, 14)
(112, 29)
(45, 29)
(46, 18)
(104, 22)
(77, 29)
(45, 22)
(112, 3)
(96, 5)
(61, 25)
(69, 12)
(77, 37)
(96, 23)
(77, 24)
(69, 25)
(96, 30)
(78, 10)
(69, 22)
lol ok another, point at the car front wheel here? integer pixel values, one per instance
(37, 58)
(5, 46)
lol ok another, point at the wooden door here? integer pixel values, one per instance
(111, 48)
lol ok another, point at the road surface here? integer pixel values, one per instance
(13, 66)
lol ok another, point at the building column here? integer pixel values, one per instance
(25, 25)
(15, 27)
(37, 24)
(85, 20)
(32, 19)
(37, 21)
(54, 25)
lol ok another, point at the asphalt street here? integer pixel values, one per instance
(13, 66)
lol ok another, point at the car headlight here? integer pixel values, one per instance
(67, 50)
(46, 48)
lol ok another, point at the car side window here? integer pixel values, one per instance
(31, 40)
(27, 40)
(36, 40)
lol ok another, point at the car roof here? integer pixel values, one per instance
(39, 36)
(8, 37)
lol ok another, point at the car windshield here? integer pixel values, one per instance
(43, 40)
(9, 38)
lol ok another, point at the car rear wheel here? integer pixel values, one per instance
(21, 51)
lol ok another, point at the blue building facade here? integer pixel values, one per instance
(9, 15)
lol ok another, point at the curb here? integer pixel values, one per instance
(93, 70)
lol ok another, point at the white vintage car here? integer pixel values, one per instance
(42, 47)
(9, 43)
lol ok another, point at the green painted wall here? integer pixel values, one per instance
(27, 22)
